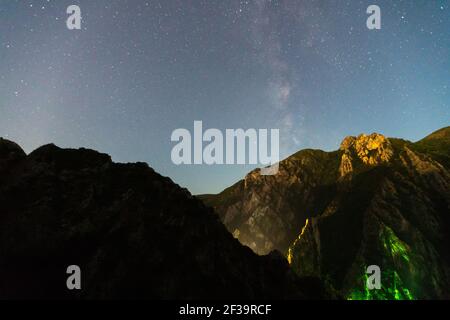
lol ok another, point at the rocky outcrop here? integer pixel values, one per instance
(371, 149)
(266, 212)
(134, 234)
(377, 201)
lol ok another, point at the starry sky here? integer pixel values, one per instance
(140, 69)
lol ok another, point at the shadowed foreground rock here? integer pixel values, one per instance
(134, 233)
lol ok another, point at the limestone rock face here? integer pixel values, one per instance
(373, 149)
(266, 212)
(346, 166)
(376, 201)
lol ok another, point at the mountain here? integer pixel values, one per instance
(375, 201)
(133, 233)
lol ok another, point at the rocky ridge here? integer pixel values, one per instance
(133, 233)
(376, 200)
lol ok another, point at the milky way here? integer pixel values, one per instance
(140, 69)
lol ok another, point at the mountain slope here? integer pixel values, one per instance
(376, 201)
(134, 233)
(436, 145)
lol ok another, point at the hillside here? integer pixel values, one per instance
(375, 201)
(134, 234)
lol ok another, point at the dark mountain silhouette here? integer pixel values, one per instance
(134, 234)
(376, 201)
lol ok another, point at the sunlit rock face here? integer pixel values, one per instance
(377, 201)
(346, 166)
(371, 149)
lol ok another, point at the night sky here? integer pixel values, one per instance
(140, 69)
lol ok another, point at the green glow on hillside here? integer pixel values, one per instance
(392, 285)
(394, 245)
(392, 288)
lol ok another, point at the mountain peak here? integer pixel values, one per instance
(8, 147)
(377, 200)
(371, 149)
(443, 134)
(9, 152)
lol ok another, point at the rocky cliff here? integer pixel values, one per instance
(376, 201)
(134, 234)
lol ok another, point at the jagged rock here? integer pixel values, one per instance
(377, 200)
(269, 210)
(371, 149)
(346, 166)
